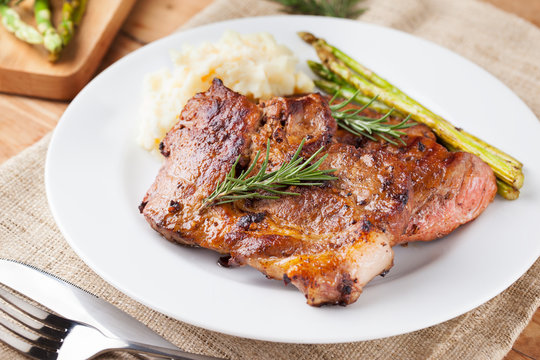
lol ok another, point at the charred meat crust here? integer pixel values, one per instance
(246, 220)
(330, 240)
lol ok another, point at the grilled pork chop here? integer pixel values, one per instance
(332, 239)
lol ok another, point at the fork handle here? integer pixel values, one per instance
(157, 352)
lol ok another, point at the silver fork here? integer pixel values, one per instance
(42, 335)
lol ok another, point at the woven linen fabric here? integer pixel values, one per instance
(503, 44)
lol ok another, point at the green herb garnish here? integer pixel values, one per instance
(271, 185)
(335, 8)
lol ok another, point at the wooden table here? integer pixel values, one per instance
(23, 120)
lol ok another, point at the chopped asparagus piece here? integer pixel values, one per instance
(51, 39)
(79, 12)
(72, 12)
(67, 26)
(13, 23)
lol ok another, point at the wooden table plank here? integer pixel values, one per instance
(151, 21)
(23, 120)
(515, 355)
(527, 9)
(528, 342)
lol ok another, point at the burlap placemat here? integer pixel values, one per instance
(503, 44)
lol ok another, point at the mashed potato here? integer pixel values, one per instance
(254, 65)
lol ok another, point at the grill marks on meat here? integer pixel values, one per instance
(332, 239)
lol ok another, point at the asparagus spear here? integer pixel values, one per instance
(506, 191)
(505, 167)
(383, 84)
(72, 11)
(66, 26)
(324, 72)
(51, 40)
(333, 84)
(13, 23)
(79, 12)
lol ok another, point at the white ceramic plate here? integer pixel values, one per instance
(96, 176)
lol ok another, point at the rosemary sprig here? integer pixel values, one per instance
(352, 121)
(270, 185)
(335, 8)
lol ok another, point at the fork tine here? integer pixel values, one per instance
(28, 335)
(27, 349)
(35, 312)
(22, 317)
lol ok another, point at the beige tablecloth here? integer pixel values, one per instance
(503, 44)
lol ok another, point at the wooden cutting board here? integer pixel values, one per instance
(25, 69)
